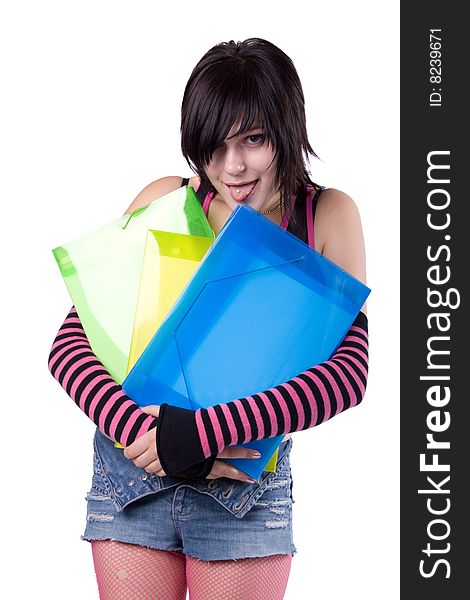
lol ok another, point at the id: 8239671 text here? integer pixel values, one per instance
(435, 67)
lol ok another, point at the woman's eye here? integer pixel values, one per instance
(256, 139)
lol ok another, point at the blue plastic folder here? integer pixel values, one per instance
(262, 307)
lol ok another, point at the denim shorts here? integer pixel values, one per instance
(210, 519)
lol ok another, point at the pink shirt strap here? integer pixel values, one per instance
(309, 208)
(207, 202)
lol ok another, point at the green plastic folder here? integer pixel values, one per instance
(102, 271)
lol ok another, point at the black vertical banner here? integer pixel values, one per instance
(435, 341)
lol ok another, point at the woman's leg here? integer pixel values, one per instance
(138, 573)
(263, 578)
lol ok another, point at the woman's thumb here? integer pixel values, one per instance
(153, 410)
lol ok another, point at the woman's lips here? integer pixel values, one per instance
(241, 192)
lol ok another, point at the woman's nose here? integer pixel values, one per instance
(234, 163)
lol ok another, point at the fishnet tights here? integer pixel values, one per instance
(262, 578)
(131, 572)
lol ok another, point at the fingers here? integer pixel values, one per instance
(136, 448)
(152, 409)
(237, 452)
(143, 453)
(156, 468)
(141, 445)
(222, 469)
(146, 458)
(150, 462)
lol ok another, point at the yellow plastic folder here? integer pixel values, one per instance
(170, 260)
(102, 271)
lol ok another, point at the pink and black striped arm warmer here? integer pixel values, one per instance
(85, 379)
(314, 396)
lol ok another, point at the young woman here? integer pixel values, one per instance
(168, 513)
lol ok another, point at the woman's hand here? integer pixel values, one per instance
(223, 469)
(143, 453)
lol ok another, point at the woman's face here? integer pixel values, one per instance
(242, 170)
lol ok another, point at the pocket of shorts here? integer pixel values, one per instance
(283, 461)
(275, 500)
(100, 487)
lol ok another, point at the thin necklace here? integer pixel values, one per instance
(273, 210)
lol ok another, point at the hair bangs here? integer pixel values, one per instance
(234, 98)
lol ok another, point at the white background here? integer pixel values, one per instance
(90, 115)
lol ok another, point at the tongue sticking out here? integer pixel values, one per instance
(241, 192)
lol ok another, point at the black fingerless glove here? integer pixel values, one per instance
(178, 446)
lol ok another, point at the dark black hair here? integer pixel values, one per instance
(256, 82)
